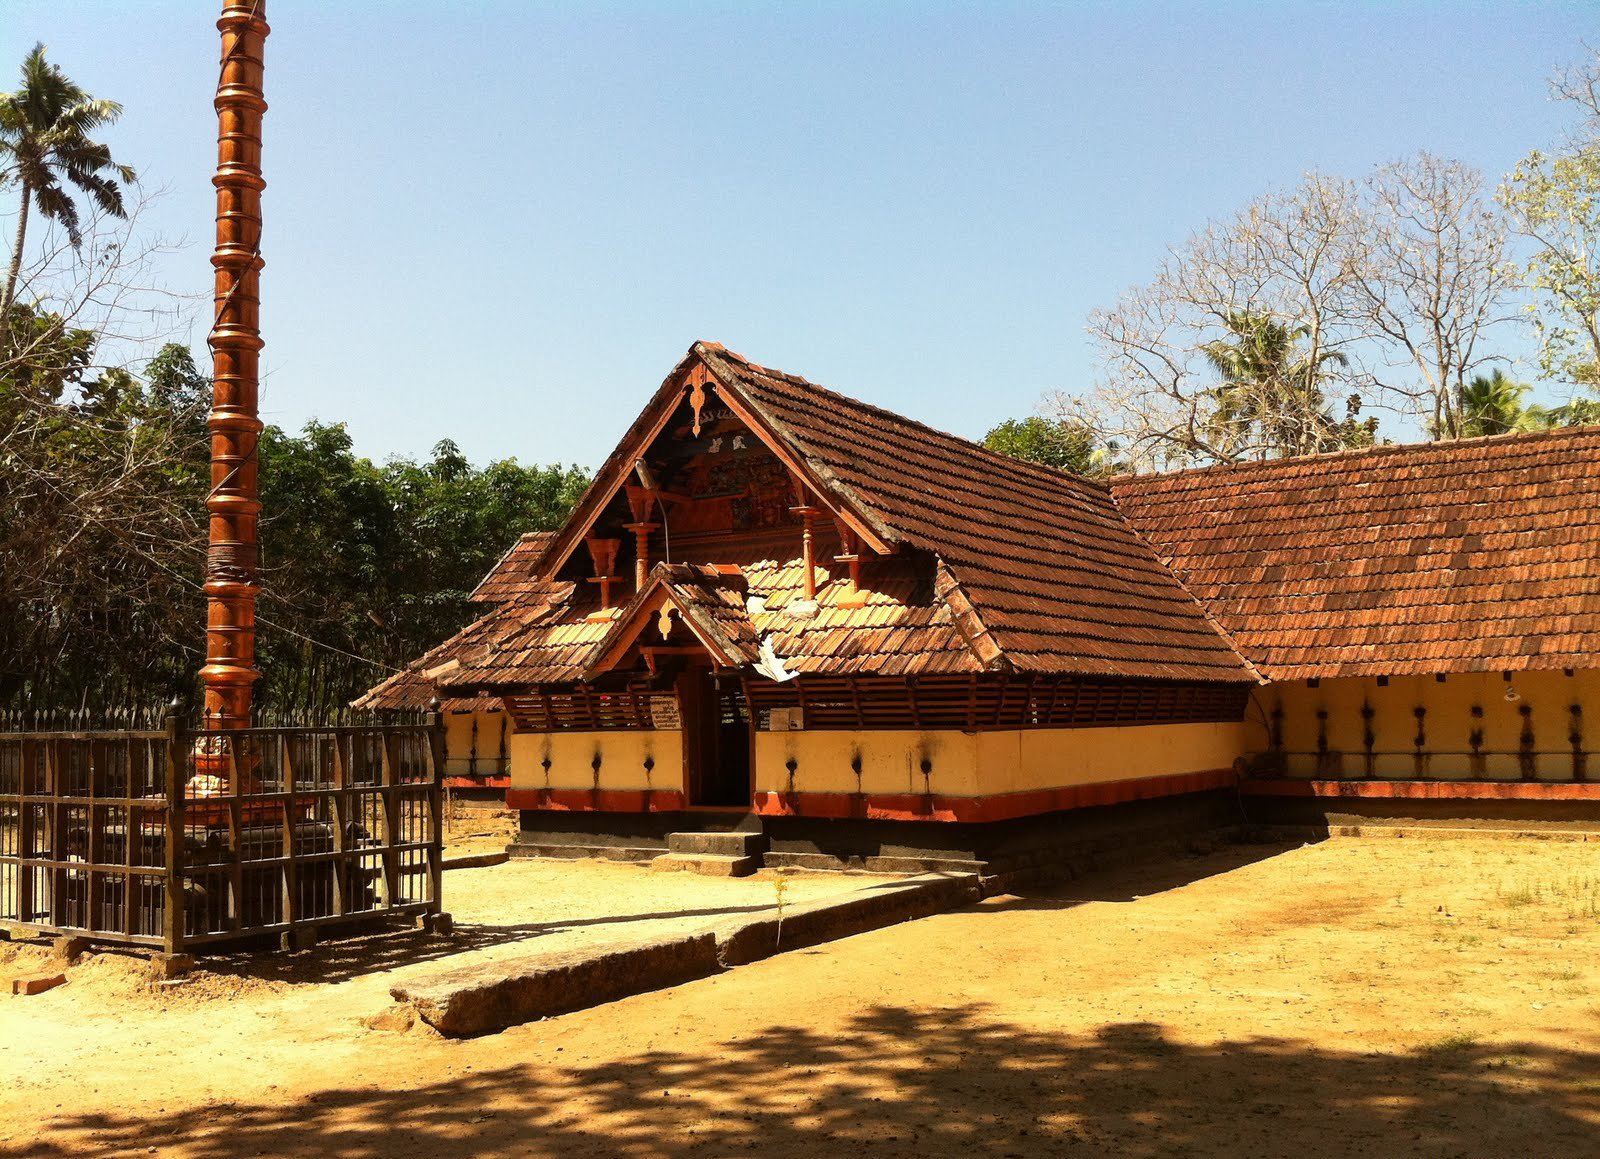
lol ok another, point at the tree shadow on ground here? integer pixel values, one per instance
(344, 958)
(1138, 876)
(902, 1083)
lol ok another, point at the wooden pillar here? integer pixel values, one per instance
(235, 340)
(176, 774)
(603, 553)
(436, 767)
(641, 505)
(850, 556)
(808, 536)
(808, 542)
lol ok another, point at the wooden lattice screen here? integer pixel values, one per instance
(869, 702)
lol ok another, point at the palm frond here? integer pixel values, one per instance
(44, 134)
(52, 202)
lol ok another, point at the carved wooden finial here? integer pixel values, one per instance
(664, 621)
(699, 380)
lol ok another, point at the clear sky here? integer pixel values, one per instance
(503, 223)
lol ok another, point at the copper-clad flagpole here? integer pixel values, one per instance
(231, 559)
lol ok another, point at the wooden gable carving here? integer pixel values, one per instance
(737, 472)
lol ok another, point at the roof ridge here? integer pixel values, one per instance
(1041, 469)
(1431, 446)
(1169, 565)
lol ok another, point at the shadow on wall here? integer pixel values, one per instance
(904, 1083)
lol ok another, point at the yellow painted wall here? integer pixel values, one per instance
(458, 742)
(1447, 723)
(622, 760)
(988, 763)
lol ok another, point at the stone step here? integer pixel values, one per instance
(708, 864)
(727, 844)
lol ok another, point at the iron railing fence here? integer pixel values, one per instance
(178, 839)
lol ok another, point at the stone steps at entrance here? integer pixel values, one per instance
(708, 864)
(725, 843)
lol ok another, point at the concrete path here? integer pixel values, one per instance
(465, 1001)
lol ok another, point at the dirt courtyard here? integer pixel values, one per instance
(1357, 997)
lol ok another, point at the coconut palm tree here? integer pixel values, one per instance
(45, 148)
(1491, 404)
(1271, 389)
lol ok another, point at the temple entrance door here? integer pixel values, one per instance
(716, 739)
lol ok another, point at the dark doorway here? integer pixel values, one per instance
(716, 739)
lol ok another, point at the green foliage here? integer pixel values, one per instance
(1555, 200)
(1271, 391)
(379, 560)
(99, 505)
(46, 148)
(41, 356)
(1063, 445)
(102, 538)
(1491, 404)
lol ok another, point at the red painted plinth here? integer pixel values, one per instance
(477, 782)
(596, 800)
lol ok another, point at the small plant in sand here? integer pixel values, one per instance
(1449, 1045)
(1580, 895)
(780, 893)
(1518, 895)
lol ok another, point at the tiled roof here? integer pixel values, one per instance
(1012, 565)
(412, 691)
(1050, 570)
(711, 601)
(546, 637)
(1479, 555)
(515, 573)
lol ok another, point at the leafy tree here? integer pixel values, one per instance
(377, 561)
(1577, 412)
(102, 538)
(1271, 393)
(1492, 404)
(45, 147)
(1555, 202)
(41, 355)
(98, 528)
(1063, 445)
(176, 382)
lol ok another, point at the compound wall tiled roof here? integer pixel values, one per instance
(1479, 555)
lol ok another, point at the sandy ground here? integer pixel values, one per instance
(470, 827)
(1378, 997)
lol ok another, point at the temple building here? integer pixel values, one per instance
(844, 638)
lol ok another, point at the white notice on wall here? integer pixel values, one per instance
(786, 720)
(664, 712)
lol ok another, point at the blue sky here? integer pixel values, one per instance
(502, 223)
